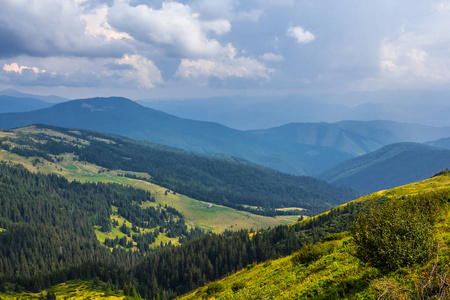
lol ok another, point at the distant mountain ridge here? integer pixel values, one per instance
(441, 143)
(252, 113)
(391, 166)
(15, 104)
(300, 148)
(49, 99)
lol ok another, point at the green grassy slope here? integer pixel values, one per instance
(334, 271)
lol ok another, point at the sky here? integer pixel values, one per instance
(203, 48)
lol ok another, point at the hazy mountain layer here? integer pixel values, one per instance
(247, 113)
(299, 148)
(14, 104)
(441, 143)
(391, 166)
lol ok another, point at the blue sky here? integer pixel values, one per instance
(201, 48)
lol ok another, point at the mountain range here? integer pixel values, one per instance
(17, 94)
(441, 143)
(391, 166)
(19, 104)
(297, 148)
(246, 113)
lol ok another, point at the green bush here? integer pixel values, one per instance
(235, 287)
(397, 233)
(313, 252)
(214, 288)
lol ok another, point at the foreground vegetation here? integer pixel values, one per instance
(404, 255)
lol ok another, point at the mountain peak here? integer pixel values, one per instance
(104, 103)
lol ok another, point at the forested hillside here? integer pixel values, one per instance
(47, 226)
(234, 183)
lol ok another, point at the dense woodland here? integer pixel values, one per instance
(47, 224)
(49, 238)
(222, 181)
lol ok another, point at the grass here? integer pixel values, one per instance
(333, 276)
(115, 232)
(71, 290)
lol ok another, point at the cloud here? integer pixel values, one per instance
(272, 57)
(97, 25)
(174, 28)
(45, 28)
(414, 55)
(130, 71)
(144, 71)
(231, 10)
(301, 35)
(222, 68)
(14, 67)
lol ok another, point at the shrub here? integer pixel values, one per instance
(235, 287)
(397, 233)
(214, 288)
(313, 252)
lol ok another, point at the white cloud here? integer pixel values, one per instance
(301, 35)
(408, 64)
(144, 71)
(97, 25)
(14, 67)
(272, 57)
(222, 68)
(218, 26)
(174, 28)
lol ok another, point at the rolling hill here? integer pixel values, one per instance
(299, 148)
(228, 182)
(393, 165)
